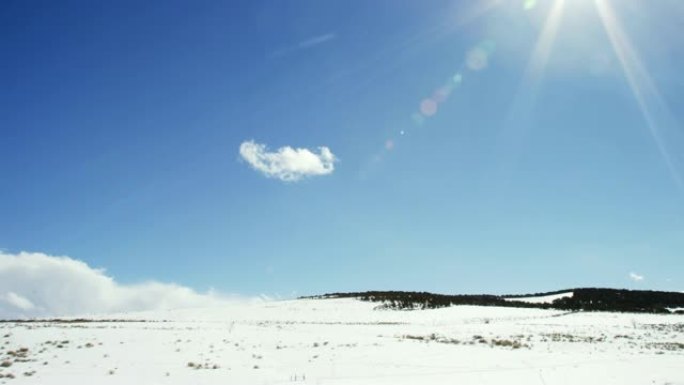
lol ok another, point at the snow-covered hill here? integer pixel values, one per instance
(541, 299)
(346, 341)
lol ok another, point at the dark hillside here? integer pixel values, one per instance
(587, 299)
(621, 300)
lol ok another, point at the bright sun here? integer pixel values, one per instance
(652, 106)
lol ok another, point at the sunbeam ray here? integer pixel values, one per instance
(652, 106)
(539, 59)
(544, 45)
(517, 122)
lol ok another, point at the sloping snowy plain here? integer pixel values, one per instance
(346, 341)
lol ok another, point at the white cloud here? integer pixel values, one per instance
(287, 163)
(307, 43)
(636, 277)
(316, 40)
(40, 285)
(17, 301)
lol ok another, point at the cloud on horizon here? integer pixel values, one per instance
(288, 164)
(41, 285)
(636, 277)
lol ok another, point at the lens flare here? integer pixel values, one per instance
(477, 59)
(389, 145)
(428, 107)
(442, 93)
(418, 119)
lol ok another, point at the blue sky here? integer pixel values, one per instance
(553, 159)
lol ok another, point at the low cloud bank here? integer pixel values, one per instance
(40, 285)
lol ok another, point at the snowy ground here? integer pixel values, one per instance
(542, 299)
(345, 341)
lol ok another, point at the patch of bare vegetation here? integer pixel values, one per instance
(668, 328)
(19, 355)
(669, 346)
(206, 365)
(563, 337)
(512, 343)
(73, 321)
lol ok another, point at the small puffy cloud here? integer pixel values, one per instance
(287, 163)
(636, 277)
(40, 285)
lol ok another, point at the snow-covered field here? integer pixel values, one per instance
(345, 341)
(541, 299)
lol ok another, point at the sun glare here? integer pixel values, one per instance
(652, 106)
(654, 110)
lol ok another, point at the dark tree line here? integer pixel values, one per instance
(587, 299)
(621, 300)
